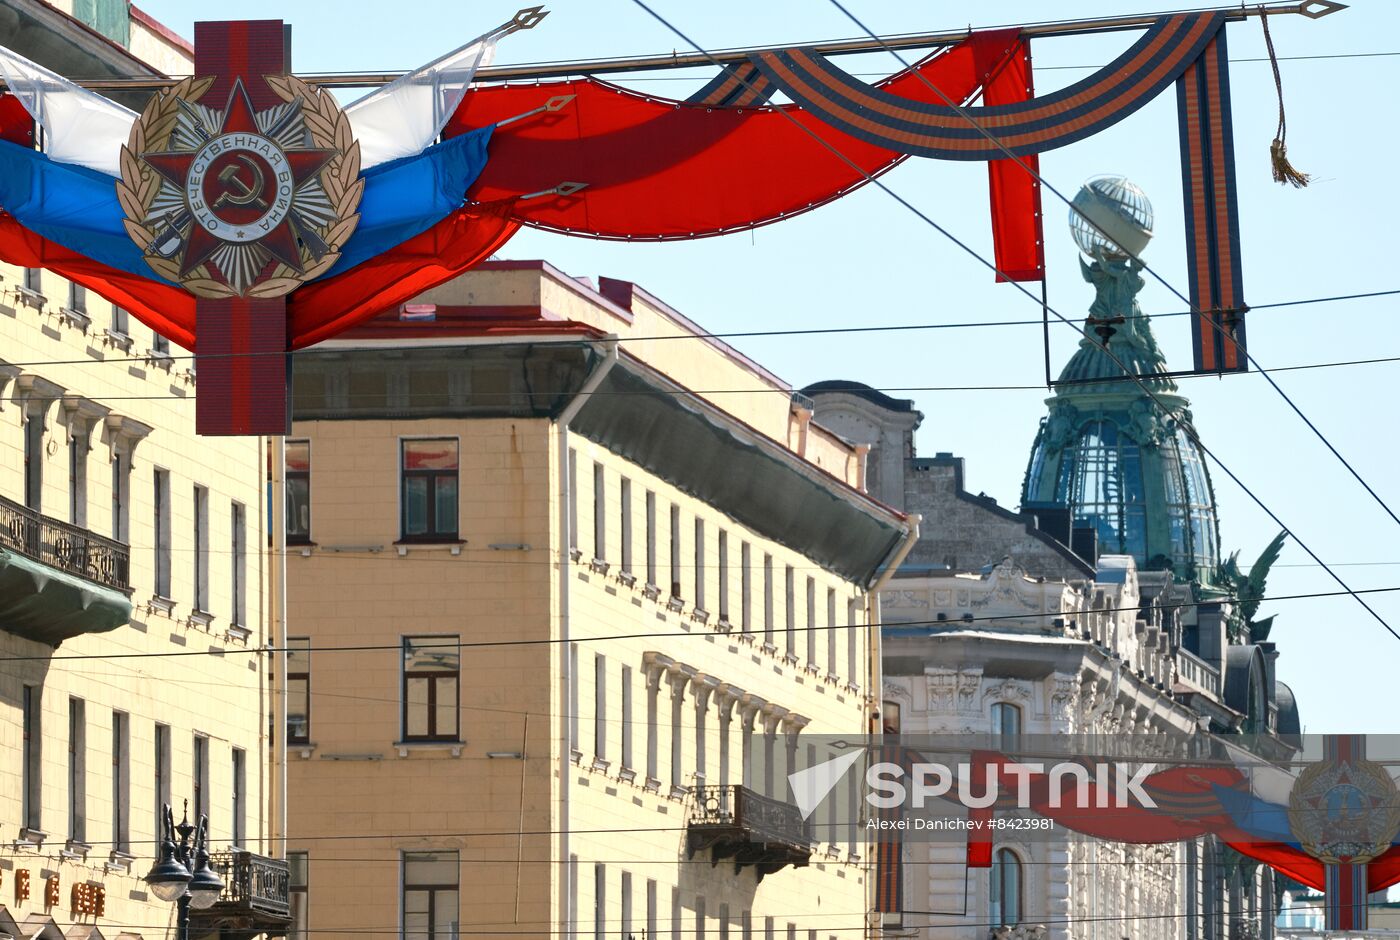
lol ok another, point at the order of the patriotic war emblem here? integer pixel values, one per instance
(238, 202)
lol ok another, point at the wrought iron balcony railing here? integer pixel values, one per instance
(753, 830)
(63, 546)
(255, 899)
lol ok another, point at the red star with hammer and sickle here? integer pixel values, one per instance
(239, 117)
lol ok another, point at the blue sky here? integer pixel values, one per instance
(866, 260)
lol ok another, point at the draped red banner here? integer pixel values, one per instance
(658, 168)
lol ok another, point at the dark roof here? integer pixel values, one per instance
(862, 390)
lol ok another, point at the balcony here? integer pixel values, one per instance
(254, 901)
(754, 831)
(58, 581)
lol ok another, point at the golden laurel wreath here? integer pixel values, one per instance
(327, 126)
(1354, 838)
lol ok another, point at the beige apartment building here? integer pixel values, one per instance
(132, 588)
(559, 566)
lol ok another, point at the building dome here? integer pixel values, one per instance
(1124, 462)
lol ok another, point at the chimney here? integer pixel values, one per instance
(1211, 634)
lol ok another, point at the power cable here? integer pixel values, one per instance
(1218, 327)
(1195, 438)
(554, 393)
(776, 631)
(739, 334)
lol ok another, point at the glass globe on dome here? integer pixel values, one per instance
(1111, 218)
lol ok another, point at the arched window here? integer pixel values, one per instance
(1005, 894)
(1006, 720)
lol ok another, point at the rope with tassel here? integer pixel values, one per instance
(1284, 172)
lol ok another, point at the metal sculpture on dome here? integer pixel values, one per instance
(1117, 448)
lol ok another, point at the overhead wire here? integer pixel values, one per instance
(928, 220)
(623, 393)
(692, 336)
(704, 632)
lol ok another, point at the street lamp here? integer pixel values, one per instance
(182, 873)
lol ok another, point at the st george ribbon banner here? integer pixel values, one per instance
(1323, 810)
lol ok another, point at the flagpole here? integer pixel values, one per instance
(528, 18)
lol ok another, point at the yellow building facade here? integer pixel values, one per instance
(133, 587)
(560, 569)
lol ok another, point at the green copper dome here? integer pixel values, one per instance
(1120, 460)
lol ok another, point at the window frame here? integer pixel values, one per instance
(433, 536)
(997, 885)
(163, 583)
(297, 642)
(433, 889)
(288, 476)
(999, 713)
(432, 678)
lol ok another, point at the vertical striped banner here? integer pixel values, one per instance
(889, 847)
(1212, 211)
(242, 360)
(1345, 907)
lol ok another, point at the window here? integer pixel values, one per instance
(430, 694)
(199, 778)
(77, 479)
(811, 622)
(626, 900)
(430, 895)
(722, 547)
(162, 532)
(77, 297)
(33, 791)
(120, 321)
(699, 918)
(651, 538)
(77, 770)
(201, 548)
(160, 344)
(298, 471)
(790, 610)
(600, 705)
(240, 796)
(575, 680)
(298, 690)
(34, 460)
(297, 895)
(162, 775)
(700, 735)
(745, 588)
(600, 512)
(677, 722)
(699, 564)
(653, 729)
(600, 902)
(1005, 890)
(854, 669)
(573, 499)
(120, 476)
(430, 489)
(624, 501)
(626, 690)
(675, 551)
(121, 782)
(651, 909)
(33, 280)
(1006, 719)
(767, 599)
(238, 545)
(831, 631)
(724, 922)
